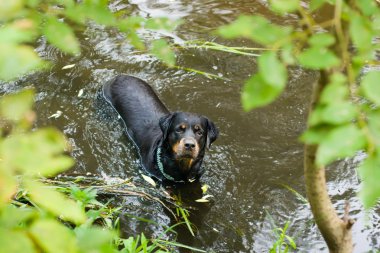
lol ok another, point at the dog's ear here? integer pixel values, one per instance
(212, 133)
(165, 122)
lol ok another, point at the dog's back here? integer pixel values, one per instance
(138, 106)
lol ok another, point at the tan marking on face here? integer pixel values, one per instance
(175, 147)
(189, 162)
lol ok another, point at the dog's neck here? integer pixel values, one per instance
(161, 168)
(176, 167)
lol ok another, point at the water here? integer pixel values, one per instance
(255, 154)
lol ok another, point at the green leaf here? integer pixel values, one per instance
(369, 172)
(90, 10)
(272, 70)
(17, 60)
(343, 141)
(130, 26)
(130, 244)
(368, 7)
(287, 54)
(13, 217)
(370, 86)
(241, 27)
(318, 58)
(131, 23)
(162, 50)
(38, 153)
(76, 13)
(144, 242)
(374, 126)
(316, 4)
(61, 35)
(8, 185)
(99, 12)
(93, 239)
(17, 106)
(335, 114)
(161, 24)
(53, 237)
(314, 135)
(321, 40)
(10, 9)
(256, 28)
(135, 40)
(257, 93)
(336, 91)
(15, 241)
(361, 32)
(55, 202)
(32, 3)
(284, 6)
(14, 34)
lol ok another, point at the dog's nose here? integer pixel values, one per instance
(189, 144)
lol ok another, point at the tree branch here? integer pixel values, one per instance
(335, 231)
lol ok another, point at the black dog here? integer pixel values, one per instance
(171, 145)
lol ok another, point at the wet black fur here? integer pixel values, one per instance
(150, 125)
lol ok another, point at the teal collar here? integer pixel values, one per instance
(161, 167)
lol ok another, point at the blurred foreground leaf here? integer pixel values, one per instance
(17, 60)
(343, 141)
(369, 172)
(55, 202)
(38, 153)
(8, 186)
(256, 28)
(61, 35)
(53, 237)
(257, 93)
(318, 58)
(94, 239)
(14, 241)
(16, 106)
(162, 50)
(370, 86)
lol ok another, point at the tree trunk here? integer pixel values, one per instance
(336, 231)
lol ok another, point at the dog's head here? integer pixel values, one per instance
(187, 134)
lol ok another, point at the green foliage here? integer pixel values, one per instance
(340, 124)
(36, 217)
(370, 174)
(61, 35)
(262, 88)
(23, 21)
(284, 6)
(184, 214)
(370, 87)
(340, 142)
(52, 236)
(162, 50)
(256, 28)
(284, 241)
(317, 58)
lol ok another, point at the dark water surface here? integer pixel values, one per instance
(256, 153)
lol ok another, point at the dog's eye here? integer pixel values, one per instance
(200, 132)
(181, 129)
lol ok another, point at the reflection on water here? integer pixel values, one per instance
(255, 154)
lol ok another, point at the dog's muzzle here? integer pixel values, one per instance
(187, 148)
